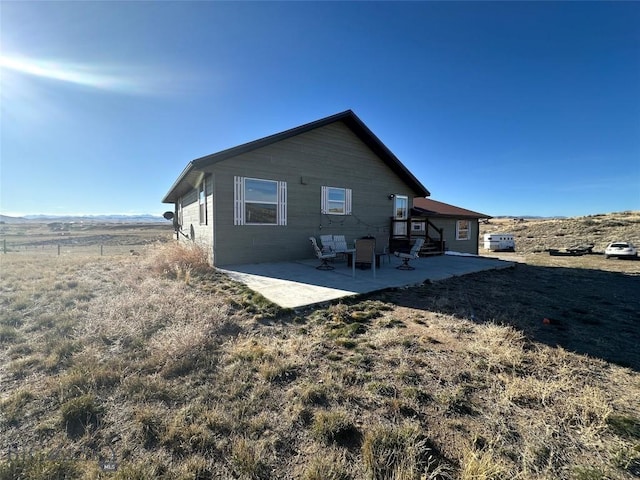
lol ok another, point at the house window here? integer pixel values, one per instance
(401, 207)
(259, 202)
(417, 226)
(463, 230)
(336, 201)
(202, 201)
(400, 212)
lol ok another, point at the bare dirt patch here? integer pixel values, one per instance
(583, 310)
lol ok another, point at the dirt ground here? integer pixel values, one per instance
(588, 305)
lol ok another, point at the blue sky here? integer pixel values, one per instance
(507, 108)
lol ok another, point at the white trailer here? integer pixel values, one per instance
(499, 242)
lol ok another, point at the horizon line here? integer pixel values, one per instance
(53, 215)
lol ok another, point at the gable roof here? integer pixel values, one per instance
(191, 175)
(426, 206)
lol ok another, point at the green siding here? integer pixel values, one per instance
(331, 156)
(203, 234)
(449, 235)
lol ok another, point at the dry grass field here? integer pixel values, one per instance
(538, 235)
(71, 238)
(158, 365)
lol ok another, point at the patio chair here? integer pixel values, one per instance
(323, 257)
(385, 249)
(365, 252)
(413, 253)
(341, 247)
(340, 243)
(328, 245)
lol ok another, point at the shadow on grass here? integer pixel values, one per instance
(586, 311)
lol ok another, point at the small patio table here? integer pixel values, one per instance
(349, 253)
(378, 256)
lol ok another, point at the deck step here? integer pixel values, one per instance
(426, 253)
(430, 248)
(430, 252)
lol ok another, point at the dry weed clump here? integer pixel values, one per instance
(164, 320)
(13, 408)
(187, 335)
(247, 459)
(482, 465)
(330, 464)
(498, 347)
(179, 259)
(334, 426)
(39, 467)
(402, 453)
(80, 414)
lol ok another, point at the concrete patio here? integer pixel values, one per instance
(299, 284)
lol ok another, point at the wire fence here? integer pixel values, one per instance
(50, 249)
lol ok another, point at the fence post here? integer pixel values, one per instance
(101, 250)
(4, 246)
(58, 250)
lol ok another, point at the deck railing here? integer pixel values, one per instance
(402, 235)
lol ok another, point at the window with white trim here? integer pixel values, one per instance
(336, 201)
(463, 230)
(202, 201)
(400, 212)
(418, 226)
(259, 202)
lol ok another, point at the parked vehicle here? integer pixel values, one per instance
(620, 249)
(499, 242)
(574, 251)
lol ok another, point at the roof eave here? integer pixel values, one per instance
(179, 185)
(471, 215)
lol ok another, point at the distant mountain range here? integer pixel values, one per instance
(147, 218)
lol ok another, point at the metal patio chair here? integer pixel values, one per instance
(384, 245)
(413, 253)
(328, 245)
(322, 256)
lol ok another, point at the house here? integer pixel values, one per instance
(446, 226)
(261, 201)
